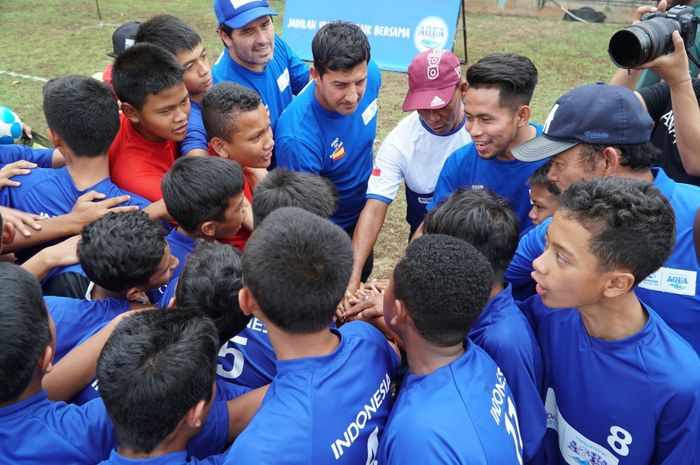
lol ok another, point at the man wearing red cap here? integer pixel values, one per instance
(416, 149)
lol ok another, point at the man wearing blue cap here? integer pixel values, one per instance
(611, 137)
(255, 56)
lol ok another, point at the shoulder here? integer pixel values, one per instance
(363, 335)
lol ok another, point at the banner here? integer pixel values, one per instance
(397, 29)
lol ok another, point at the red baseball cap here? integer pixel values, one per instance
(432, 77)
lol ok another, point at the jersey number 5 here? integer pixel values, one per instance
(238, 360)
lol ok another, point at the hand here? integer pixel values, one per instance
(673, 67)
(642, 10)
(27, 131)
(367, 308)
(20, 221)
(14, 169)
(89, 207)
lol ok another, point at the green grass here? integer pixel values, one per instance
(58, 37)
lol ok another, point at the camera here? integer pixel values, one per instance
(651, 38)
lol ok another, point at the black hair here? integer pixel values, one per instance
(121, 250)
(631, 223)
(209, 283)
(339, 46)
(81, 111)
(483, 219)
(156, 366)
(637, 157)
(444, 283)
(284, 188)
(540, 178)
(142, 70)
(169, 33)
(24, 332)
(221, 105)
(297, 266)
(515, 76)
(199, 189)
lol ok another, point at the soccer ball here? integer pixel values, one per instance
(10, 126)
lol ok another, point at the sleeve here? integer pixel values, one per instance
(657, 98)
(15, 152)
(297, 155)
(196, 135)
(387, 174)
(366, 331)
(298, 71)
(213, 436)
(89, 421)
(530, 247)
(414, 443)
(677, 438)
(446, 184)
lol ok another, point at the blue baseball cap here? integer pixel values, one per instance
(237, 13)
(596, 114)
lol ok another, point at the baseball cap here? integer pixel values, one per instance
(123, 37)
(432, 77)
(596, 114)
(237, 13)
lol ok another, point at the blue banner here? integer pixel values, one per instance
(397, 29)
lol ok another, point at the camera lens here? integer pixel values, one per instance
(642, 42)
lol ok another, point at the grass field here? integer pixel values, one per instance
(58, 37)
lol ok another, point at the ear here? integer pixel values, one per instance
(620, 283)
(134, 294)
(401, 315)
(247, 302)
(611, 157)
(463, 91)
(131, 113)
(314, 74)
(44, 364)
(219, 147)
(194, 416)
(207, 229)
(8, 234)
(55, 139)
(523, 115)
(225, 38)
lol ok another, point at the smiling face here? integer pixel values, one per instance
(567, 273)
(197, 76)
(251, 143)
(163, 115)
(253, 45)
(341, 91)
(493, 128)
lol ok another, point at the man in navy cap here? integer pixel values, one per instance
(255, 56)
(612, 138)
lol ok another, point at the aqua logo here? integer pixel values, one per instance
(430, 33)
(677, 282)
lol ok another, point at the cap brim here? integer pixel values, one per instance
(421, 100)
(250, 15)
(540, 148)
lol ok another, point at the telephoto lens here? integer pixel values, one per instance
(642, 42)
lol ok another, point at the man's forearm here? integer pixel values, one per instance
(365, 236)
(51, 229)
(686, 117)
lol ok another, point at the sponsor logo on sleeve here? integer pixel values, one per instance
(672, 281)
(370, 112)
(283, 80)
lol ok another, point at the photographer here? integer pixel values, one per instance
(673, 105)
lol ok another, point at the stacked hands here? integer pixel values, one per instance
(366, 303)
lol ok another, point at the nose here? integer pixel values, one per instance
(433, 117)
(473, 128)
(269, 142)
(532, 214)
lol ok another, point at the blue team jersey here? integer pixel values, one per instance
(74, 319)
(283, 77)
(672, 291)
(15, 152)
(248, 358)
(465, 168)
(461, 413)
(629, 401)
(327, 409)
(38, 431)
(505, 334)
(173, 458)
(196, 137)
(315, 140)
(51, 192)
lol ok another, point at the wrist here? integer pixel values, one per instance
(678, 83)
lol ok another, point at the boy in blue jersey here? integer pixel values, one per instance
(248, 358)
(255, 56)
(498, 114)
(83, 119)
(608, 235)
(612, 139)
(330, 128)
(455, 405)
(295, 269)
(157, 374)
(487, 222)
(123, 255)
(544, 195)
(183, 41)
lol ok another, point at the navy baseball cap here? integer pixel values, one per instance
(596, 114)
(237, 13)
(123, 37)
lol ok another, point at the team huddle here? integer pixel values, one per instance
(185, 277)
